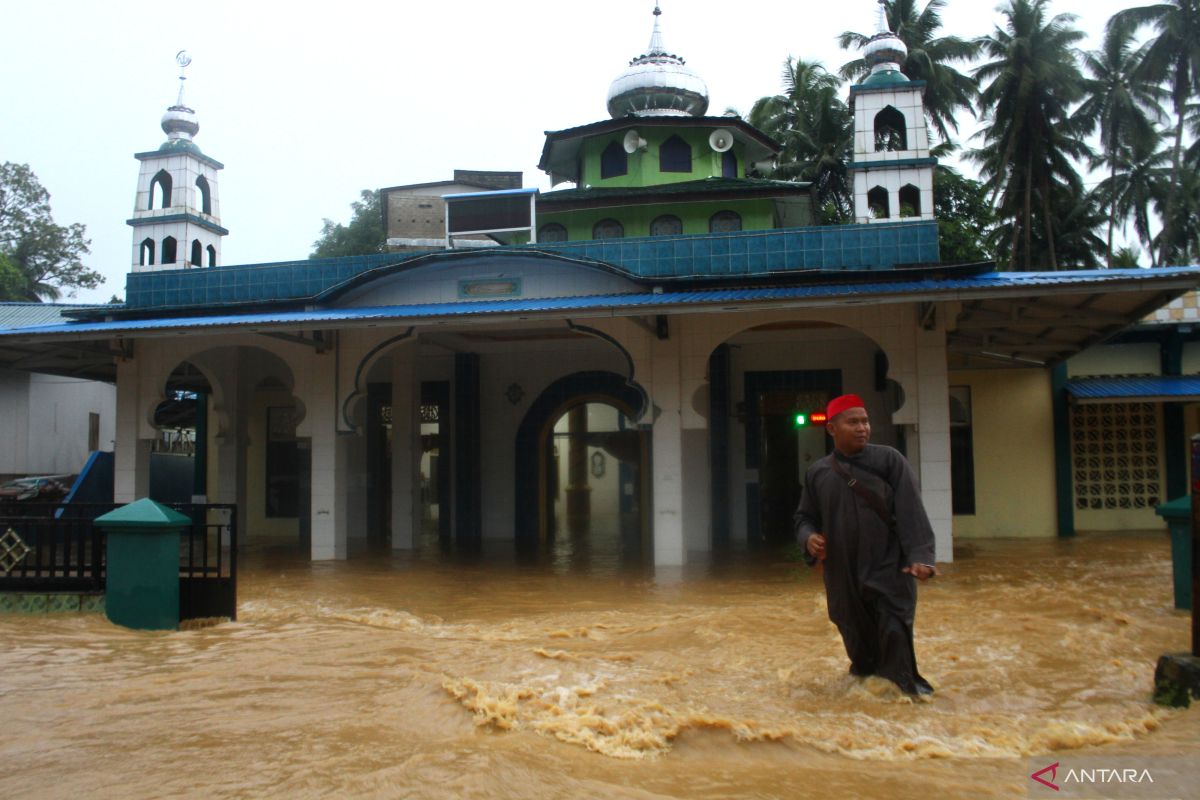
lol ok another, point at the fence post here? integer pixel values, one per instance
(143, 565)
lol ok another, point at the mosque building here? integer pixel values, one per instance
(636, 359)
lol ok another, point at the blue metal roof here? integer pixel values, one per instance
(992, 284)
(27, 315)
(1157, 388)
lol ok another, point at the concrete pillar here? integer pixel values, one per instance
(932, 459)
(406, 449)
(578, 492)
(329, 476)
(131, 456)
(670, 547)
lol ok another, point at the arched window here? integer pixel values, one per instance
(552, 232)
(725, 222)
(666, 225)
(879, 203)
(910, 201)
(168, 250)
(675, 155)
(197, 253)
(729, 167)
(614, 161)
(205, 196)
(160, 190)
(146, 253)
(608, 229)
(891, 131)
(212, 256)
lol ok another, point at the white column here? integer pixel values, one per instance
(670, 548)
(329, 473)
(695, 457)
(406, 451)
(933, 427)
(131, 451)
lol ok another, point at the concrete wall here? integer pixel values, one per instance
(44, 422)
(1013, 441)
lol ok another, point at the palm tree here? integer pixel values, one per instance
(929, 58)
(1121, 106)
(1172, 58)
(1141, 182)
(816, 130)
(1032, 82)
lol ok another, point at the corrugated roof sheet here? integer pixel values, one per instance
(26, 315)
(1129, 388)
(992, 284)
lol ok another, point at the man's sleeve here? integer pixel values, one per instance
(807, 519)
(912, 522)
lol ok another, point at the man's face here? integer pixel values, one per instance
(851, 430)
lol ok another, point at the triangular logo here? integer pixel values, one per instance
(1053, 770)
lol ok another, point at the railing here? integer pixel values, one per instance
(47, 547)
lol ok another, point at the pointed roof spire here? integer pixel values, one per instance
(881, 25)
(656, 40)
(884, 53)
(180, 123)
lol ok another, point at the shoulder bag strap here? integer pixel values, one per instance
(873, 500)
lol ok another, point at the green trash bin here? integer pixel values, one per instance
(1178, 514)
(142, 587)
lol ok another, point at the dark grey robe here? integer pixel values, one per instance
(870, 600)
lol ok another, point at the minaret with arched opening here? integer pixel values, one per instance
(177, 215)
(893, 171)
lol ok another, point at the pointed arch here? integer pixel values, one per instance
(197, 253)
(891, 130)
(146, 253)
(614, 161)
(205, 196)
(729, 164)
(168, 250)
(675, 155)
(212, 256)
(160, 190)
(910, 201)
(879, 203)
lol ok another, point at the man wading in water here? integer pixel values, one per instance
(861, 515)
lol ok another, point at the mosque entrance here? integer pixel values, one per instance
(592, 485)
(784, 439)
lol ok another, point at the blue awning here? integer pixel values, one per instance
(1153, 389)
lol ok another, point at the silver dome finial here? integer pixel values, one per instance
(881, 25)
(657, 83)
(180, 122)
(183, 60)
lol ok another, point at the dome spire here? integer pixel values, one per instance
(657, 84)
(180, 123)
(885, 52)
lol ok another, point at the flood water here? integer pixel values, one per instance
(428, 677)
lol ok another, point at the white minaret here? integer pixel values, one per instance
(177, 216)
(893, 171)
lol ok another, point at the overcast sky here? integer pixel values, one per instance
(306, 104)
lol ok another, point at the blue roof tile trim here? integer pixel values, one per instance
(877, 247)
(1178, 387)
(972, 287)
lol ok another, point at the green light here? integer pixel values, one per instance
(801, 420)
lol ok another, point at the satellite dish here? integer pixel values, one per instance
(633, 142)
(721, 139)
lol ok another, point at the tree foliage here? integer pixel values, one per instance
(966, 221)
(46, 256)
(364, 235)
(815, 127)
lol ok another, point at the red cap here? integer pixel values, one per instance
(839, 404)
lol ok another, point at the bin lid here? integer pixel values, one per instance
(1179, 508)
(144, 513)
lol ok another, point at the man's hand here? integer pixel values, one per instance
(921, 572)
(816, 546)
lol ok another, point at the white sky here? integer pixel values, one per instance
(306, 104)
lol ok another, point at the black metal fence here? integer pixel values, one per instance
(46, 547)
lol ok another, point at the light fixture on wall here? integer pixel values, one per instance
(514, 393)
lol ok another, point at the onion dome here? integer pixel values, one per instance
(657, 84)
(884, 53)
(180, 123)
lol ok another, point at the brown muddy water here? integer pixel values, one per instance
(429, 678)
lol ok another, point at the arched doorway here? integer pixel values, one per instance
(604, 406)
(591, 484)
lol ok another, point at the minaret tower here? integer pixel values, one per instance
(177, 216)
(893, 171)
